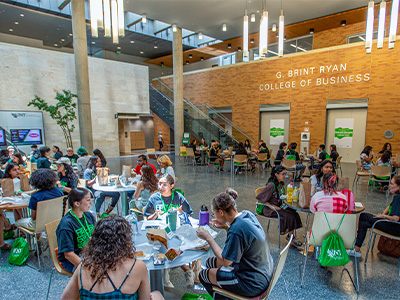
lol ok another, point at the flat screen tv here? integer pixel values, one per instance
(2, 138)
(26, 136)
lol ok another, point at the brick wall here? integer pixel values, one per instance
(160, 125)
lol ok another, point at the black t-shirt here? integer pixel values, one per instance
(322, 155)
(294, 153)
(334, 155)
(68, 182)
(74, 156)
(71, 237)
(280, 154)
(58, 155)
(43, 163)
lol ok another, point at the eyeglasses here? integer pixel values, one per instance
(163, 184)
(139, 161)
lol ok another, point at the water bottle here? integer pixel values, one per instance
(132, 219)
(289, 192)
(204, 216)
(296, 195)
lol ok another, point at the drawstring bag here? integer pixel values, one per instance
(189, 296)
(19, 252)
(333, 252)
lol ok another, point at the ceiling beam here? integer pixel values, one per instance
(134, 22)
(161, 30)
(64, 4)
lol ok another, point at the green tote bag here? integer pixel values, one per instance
(19, 252)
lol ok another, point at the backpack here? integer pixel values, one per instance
(19, 252)
(327, 156)
(290, 155)
(350, 200)
(333, 252)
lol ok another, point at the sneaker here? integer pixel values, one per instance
(168, 284)
(221, 170)
(189, 277)
(354, 253)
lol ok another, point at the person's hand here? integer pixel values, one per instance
(179, 209)
(203, 234)
(58, 183)
(159, 172)
(217, 225)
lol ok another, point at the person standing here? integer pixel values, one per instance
(160, 140)
(82, 161)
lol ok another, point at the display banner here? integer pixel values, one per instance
(343, 133)
(276, 131)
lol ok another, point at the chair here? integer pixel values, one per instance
(240, 160)
(151, 156)
(82, 183)
(378, 174)
(339, 166)
(359, 172)
(262, 159)
(320, 230)
(375, 232)
(52, 239)
(290, 165)
(182, 151)
(257, 191)
(271, 161)
(47, 211)
(274, 279)
(190, 153)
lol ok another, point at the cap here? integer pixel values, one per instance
(63, 160)
(160, 132)
(10, 147)
(81, 151)
(34, 146)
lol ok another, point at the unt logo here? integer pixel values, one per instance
(334, 254)
(16, 115)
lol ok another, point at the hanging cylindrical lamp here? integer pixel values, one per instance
(263, 45)
(370, 25)
(144, 18)
(99, 13)
(281, 33)
(107, 18)
(245, 34)
(114, 21)
(381, 25)
(121, 26)
(393, 23)
(93, 18)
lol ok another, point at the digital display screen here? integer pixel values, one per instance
(26, 136)
(2, 138)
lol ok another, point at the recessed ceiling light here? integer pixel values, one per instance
(132, 42)
(141, 52)
(155, 46)
(16, 23)
(10, 29)
(224, 27)
(22, 15)
(258, 11)
(93, 43)
(62, 40)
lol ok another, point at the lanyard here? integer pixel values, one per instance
(87, 230)
(166, 208)
(282, 190)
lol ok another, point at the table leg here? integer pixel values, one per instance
(124, 203)
(157, 281)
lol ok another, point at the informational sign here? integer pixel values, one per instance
(343, 133)
(186, 138)
(26, 136)
(276, 131)
(2, 138)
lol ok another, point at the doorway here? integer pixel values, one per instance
(274, 119)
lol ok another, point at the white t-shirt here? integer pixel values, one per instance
(160, 137)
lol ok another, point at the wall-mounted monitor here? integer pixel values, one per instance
(2, 138)
(26, 136)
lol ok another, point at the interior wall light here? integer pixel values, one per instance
(174, 27)
(200, 36)
(274, 27)
(263, 42)
(393, 23)
(229, 46)
(190, 56)
(381, 24)
(370, 25)
(187, 62)
(311, 30)
(251, 41)
(162, 64)
(239, 48)
(224, 27)
(343, 23)
(245, 34)
(202, 58)
(252, 17)
(281, 32)
(144, 18)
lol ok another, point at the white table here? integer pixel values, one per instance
(121, 190)
(158, 153)
(156, 272)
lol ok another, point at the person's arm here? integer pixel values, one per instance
(205, 235)
(72, 289)
(73, 258)
(144, 287)
(369, 158)
(33, 214)
(139, 189)
(385, 215)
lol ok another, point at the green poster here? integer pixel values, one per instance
(276, 131)
(344, 133)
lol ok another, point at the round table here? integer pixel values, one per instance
(121, 190)
(156, 272)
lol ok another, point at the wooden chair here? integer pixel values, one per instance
(183, 153)
(374, 233)
(271, 161)
(280, 264)
(47, 211)
(262, 159)
(290, 165)
(378, 174)
(190, 155)
(320, 230)
(338, 165)
(52, 239)
(257, 191)
(240, 160)
(360, 172)
(151, 156)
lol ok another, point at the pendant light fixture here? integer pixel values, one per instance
(144, 18)
(263, 40)
(370, 25)
(393, 23)
(381, 25)
(113, 16)
(245, 34)
(281, 32)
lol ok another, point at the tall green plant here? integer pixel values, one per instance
(63, 112)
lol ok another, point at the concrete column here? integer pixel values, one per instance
(239, 57)
(82, 73)
(251, 54)
(177, 53)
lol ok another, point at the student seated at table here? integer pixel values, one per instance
(71, 155)
(289, 218)
(247, 145)
(57, 153)
(334, 155)
(109, 269)
(82, 161)
(384, 160)
(386, 147)
(142, 160)
(245, 265)
(43, 161)
(366, 157)
(4, 156)
(75, 228)
(193, 145)
(67, 177)
(165, 166)
(15, 158)
(292, 154)
(262, 149)
(34, 154)
(13, 172)
(147, 186)
(329, 199)
(44, 180)
(203, 143)
(281, 153)
(321, 157)
(214, 156)
(100, 154)
(90, 176)
(160, 203)
(316, 180)
(391, 213)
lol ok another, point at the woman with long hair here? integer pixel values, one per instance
(324, 167)
(271, 194)
(247, 145)
(366, 157)
(57, 153)
(146, 187)
(67, 177)
(281, 153)
(109, 269)
(329, 199)
(245, 265)
(386, 147)
(165, 166)
(75, 228)
(90, 177)
(334, 155)
(100, 154)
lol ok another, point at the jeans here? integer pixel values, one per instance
(367, 221)
(161, 145)
(100, 196)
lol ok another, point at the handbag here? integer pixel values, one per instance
(305, 193)
(102, 176)
(7, 185)
(25, 186)
(389, 246)
(127, 171)
(19, 252)
(350, 200)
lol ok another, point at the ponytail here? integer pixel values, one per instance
(64, 205)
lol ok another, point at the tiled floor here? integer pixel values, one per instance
(379, 278)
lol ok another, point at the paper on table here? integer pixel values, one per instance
(358, 204)
(151, 224)
(148, 250)
(22, 199)
(187, 234)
